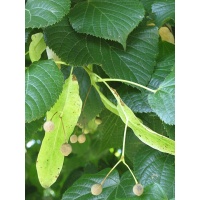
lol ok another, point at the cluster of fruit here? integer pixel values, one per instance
(66, 149)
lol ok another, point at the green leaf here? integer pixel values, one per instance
(153, 122)
(110, 134)
(163, 101)
(80, 50)
(164, 10)
(45, 13)
(31, 128)
(170, 131)
(165, 49)
(113, 188)
(111, 130)
(92, 104)
(152, 166)
(27, 34)
(68, 107)
(164, 66)
(37, 46)
(147, 4)
(108, 19)
(135, 99)
(153, 192)
(86, 181)
(108, 104)
(43, 84)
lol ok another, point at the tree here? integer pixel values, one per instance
(99, 89)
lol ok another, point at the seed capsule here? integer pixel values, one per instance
(81, 138)
(96, 189)
(48, 126)
(66, 149)
(73, 139)
(138, 189)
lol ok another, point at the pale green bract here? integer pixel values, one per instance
(144, 133)
(50, 158)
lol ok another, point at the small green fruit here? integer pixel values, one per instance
(85, 131)
(98, 121)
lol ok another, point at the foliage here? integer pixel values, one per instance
(106, 70)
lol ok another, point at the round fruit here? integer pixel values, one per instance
(81, 138)
(48, 126)
(98, 121)
(138, 189)
(73, 139)
(96, 189)
(66, 149)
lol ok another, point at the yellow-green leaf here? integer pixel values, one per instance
(37, 46)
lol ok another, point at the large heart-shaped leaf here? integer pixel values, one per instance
(42, 13)
(163, 101)
(64, 114)
(136, 64)
(108, 19)
(164, 10)
(43, 84)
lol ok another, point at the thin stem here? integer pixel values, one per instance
(124, 138)
(26, 53)
(63, 129)
(71, 70)
(86, 97)
(61, 62)
(102, 182)
(125, 81)
(130, 171)
(53, 116)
